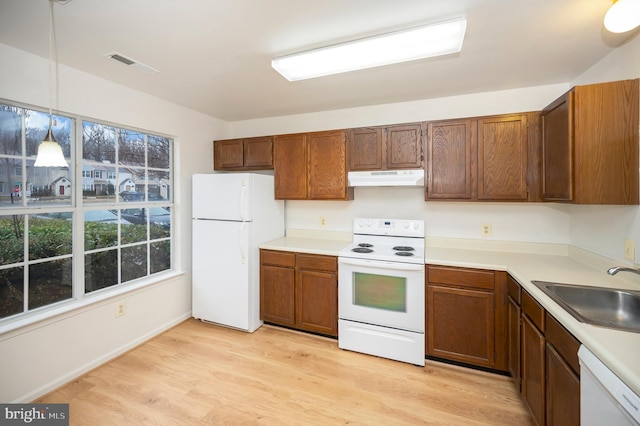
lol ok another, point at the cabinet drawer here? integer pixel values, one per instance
(563, 341)
(474, 278)
(279, 258)
(317, 262)
(533, 310)
(513, 289)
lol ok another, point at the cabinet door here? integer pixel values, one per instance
(513, 324)
(290, 166)
(502, 158)
(563, 391)
(404, 146)
(327, 166)
(258, 153)
(317, 301)
(277, 286)
(364, 149)
(533, 369)
(557, 150)
(460, 325)
(277, 294)
(450, 159)
(228, 154)
(514, 313)
(606, 156)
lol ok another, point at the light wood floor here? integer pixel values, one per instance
(201, 374)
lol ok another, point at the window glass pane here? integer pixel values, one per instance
(159, 185)
(134, 225)
(98, 143)
(11, 291)
(100, 270)
(159, 222)
(49, 282)
(50, 235)
(48, 186)
(160, 256)
(11, 177)
(134, 262)
(98, 183)
(131, 148)
(10, 130)
(159, 149)
(132, 184)
(100, 229)
(12, 239)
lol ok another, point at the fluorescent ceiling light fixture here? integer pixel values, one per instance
(442, 38)
(622, 16)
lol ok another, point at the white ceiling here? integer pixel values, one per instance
(214, 56)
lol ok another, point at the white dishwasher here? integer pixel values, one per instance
(604, 398)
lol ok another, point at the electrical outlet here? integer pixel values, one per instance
(629, 250)
(323, 222)
(485, 230)
(121, 309)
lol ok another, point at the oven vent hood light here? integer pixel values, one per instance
(387, 178)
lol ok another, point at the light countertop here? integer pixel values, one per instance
(619, 350)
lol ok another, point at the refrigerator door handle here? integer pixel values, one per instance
(243, 239)
(243, 200)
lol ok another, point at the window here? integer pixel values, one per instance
(120, 200)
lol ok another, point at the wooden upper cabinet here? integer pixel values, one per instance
(385, 148)
(243, 154)
(450, 161)
(590, 144)
(364, 149)
(557, 150)
(311, 166)
(502, 158)
(290, 166)
(403, 145)
(327, 176)
(483, 158)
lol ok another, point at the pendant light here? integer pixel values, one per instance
(622, 16)
(50, 152)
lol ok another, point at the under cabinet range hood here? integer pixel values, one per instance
(387, 178)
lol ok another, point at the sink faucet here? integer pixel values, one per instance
(616, 269)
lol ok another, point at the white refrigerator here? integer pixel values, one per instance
(232, 214)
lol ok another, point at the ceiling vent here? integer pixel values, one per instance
(131, 63)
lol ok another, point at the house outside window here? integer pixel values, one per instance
(123, 233)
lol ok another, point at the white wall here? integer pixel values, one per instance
(37, 358)
(603, 229)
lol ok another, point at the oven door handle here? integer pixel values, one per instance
(382, 264)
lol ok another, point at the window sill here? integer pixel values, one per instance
(72, 307)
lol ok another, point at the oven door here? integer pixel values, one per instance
(389, 294)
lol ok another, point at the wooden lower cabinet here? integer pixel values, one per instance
(543, 360)
(513, 331)
(317, 294)
(533, 369)
(464, 321)
(277, 287)
(299, 291)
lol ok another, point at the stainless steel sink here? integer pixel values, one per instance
(604, 307)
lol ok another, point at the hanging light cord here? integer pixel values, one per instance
(53, 64)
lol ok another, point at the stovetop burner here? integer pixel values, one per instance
(362, 250)
(403, 248)
(404, 253)
(365, 245)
